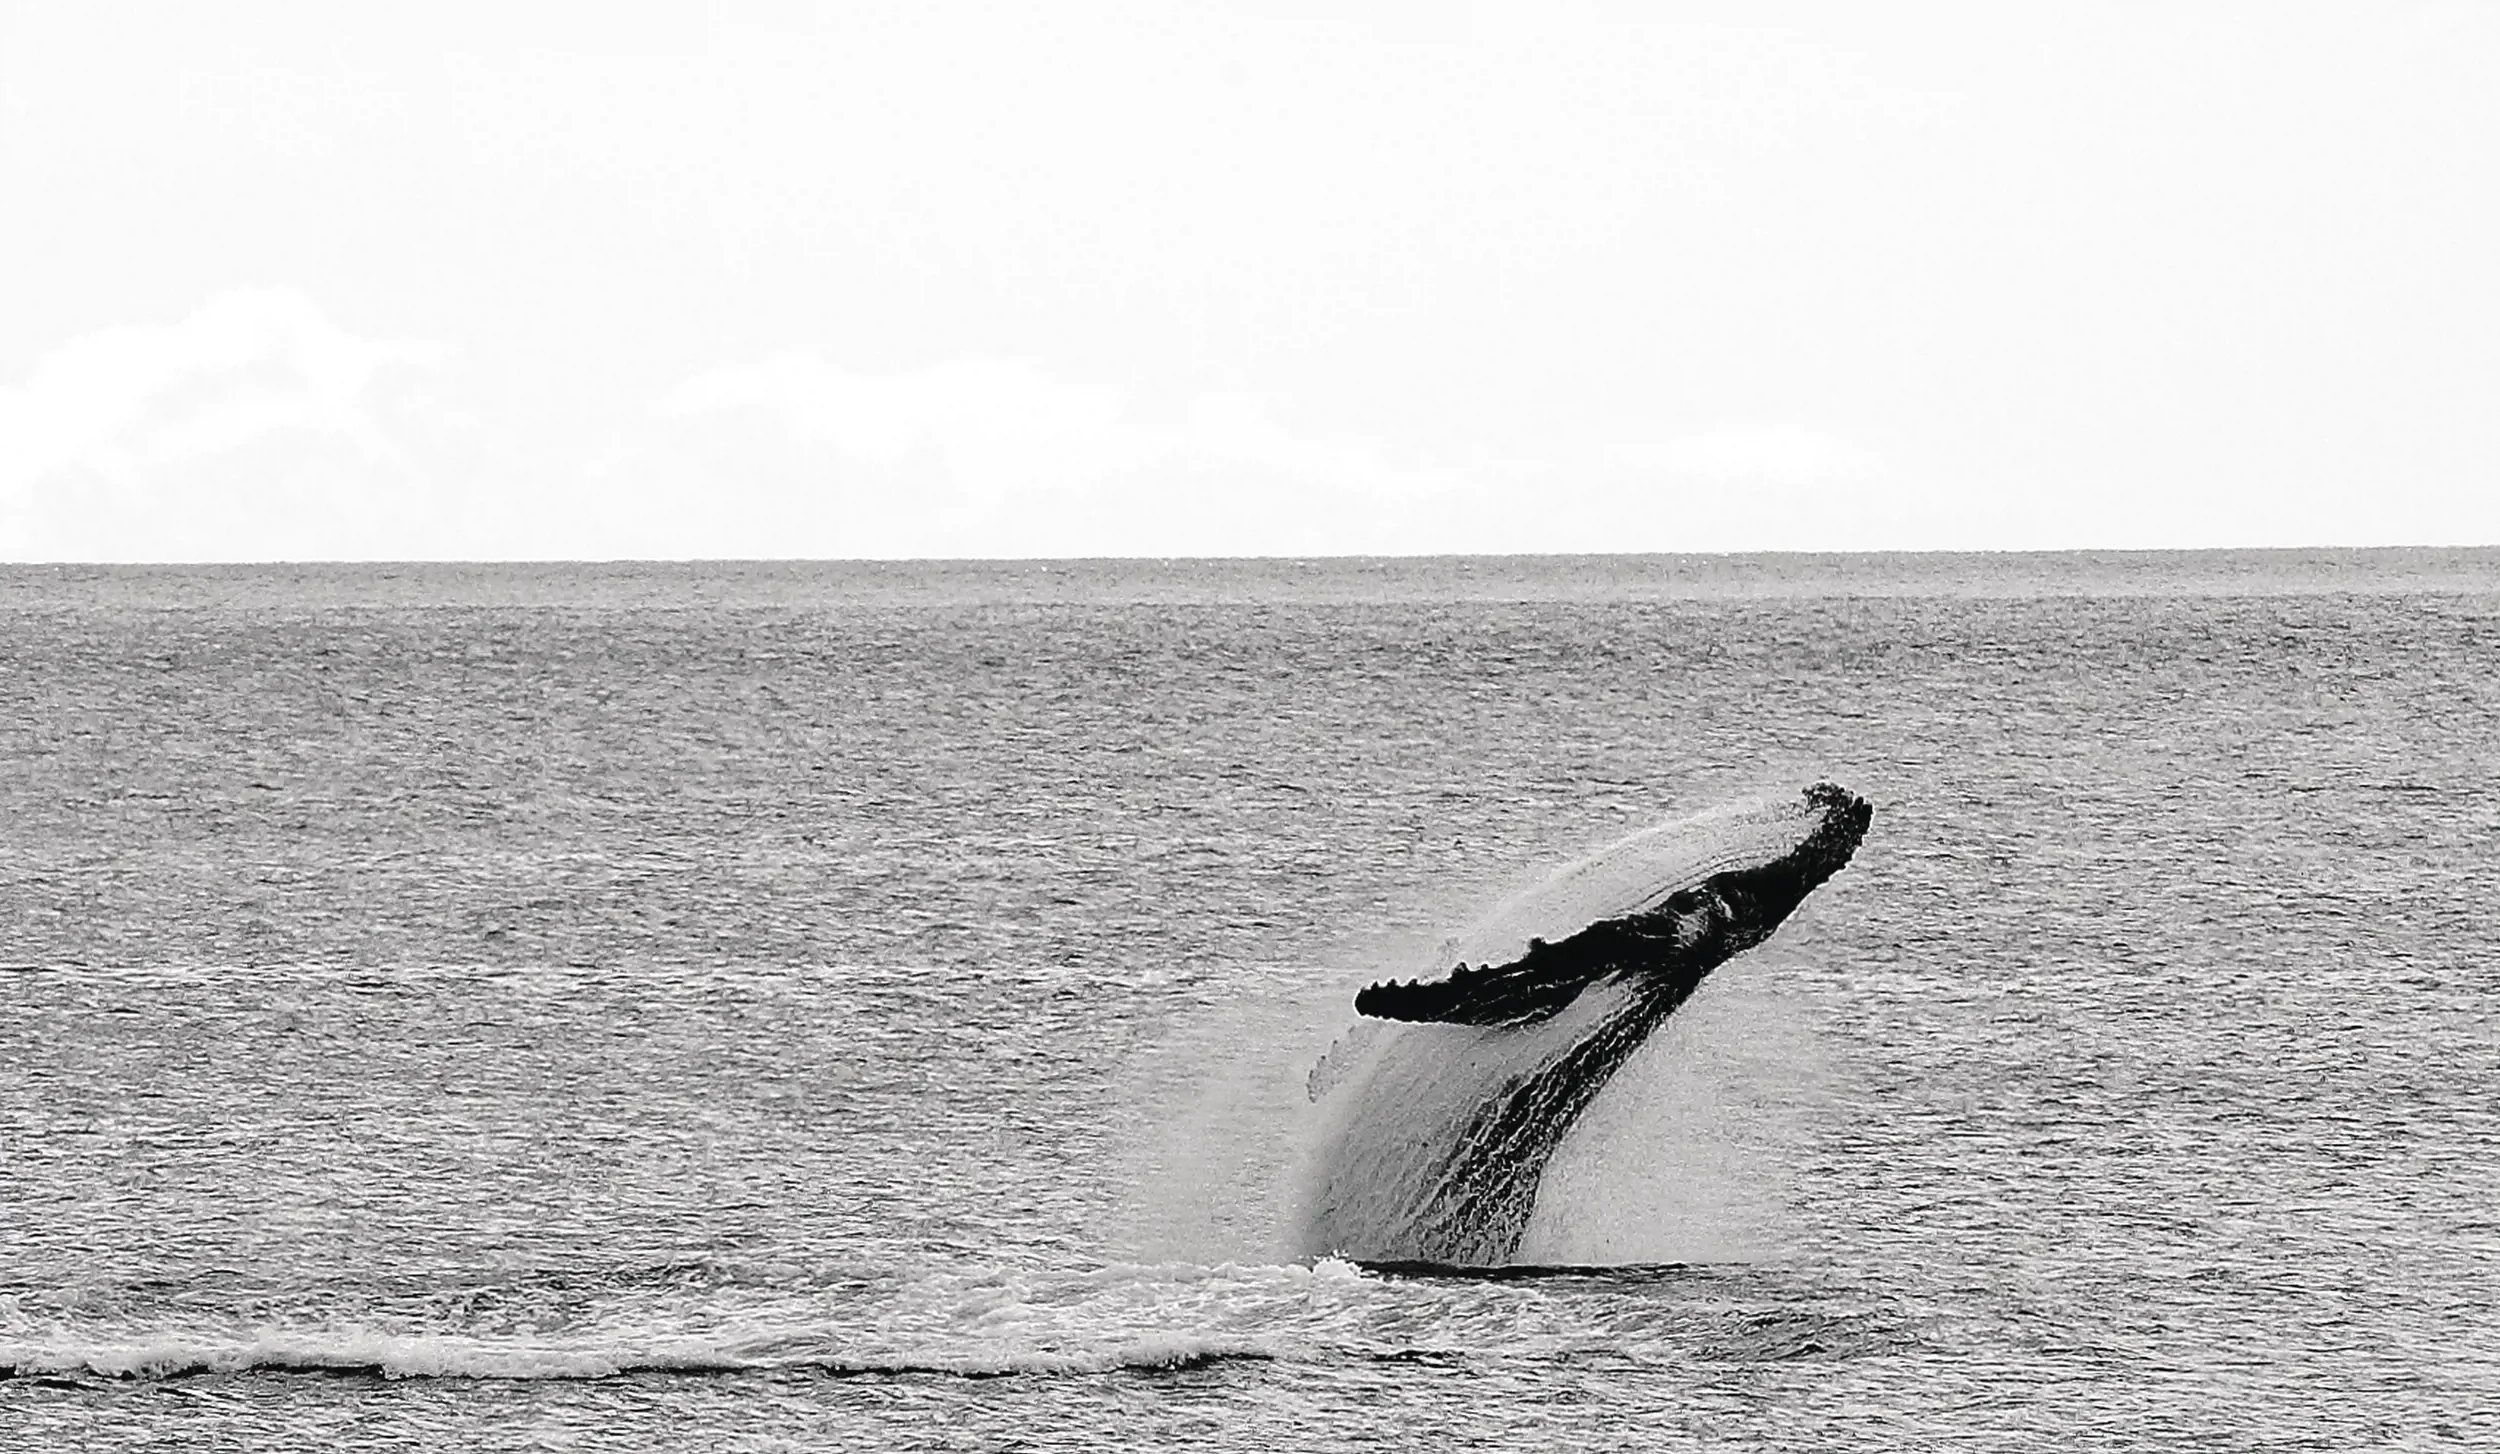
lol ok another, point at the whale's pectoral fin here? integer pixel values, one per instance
(1535, 986)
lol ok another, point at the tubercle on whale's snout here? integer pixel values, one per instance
(1833, 842)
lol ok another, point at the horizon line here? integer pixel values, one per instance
(1965, 553)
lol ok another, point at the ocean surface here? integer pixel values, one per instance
(869, 1006)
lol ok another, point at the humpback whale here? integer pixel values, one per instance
(1452, 1092)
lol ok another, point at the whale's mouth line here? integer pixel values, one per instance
(1679, 940)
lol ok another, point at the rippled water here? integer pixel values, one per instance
(760, 1007)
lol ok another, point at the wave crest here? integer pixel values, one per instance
(358, 1353)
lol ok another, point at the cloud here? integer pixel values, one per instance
(989, 456)
(985, 456)
(254, 428)
(1765, 484)
(259, 429)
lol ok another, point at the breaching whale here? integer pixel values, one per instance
(1452, 1093)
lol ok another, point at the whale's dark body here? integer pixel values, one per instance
(1444, 1122)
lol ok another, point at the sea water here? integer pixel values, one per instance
(762, 1007)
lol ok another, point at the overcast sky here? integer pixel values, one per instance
(290, 281)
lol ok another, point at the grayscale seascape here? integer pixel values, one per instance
(757, 1007)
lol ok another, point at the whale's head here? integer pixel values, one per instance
(1675, 900)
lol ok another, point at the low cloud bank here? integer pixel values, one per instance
(258, 428)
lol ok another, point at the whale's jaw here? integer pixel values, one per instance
(1442, 1134)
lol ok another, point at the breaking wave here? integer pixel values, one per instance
(396, 1356)
(960, 1322)
(972, 1323)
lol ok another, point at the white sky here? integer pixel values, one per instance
(454, 279)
